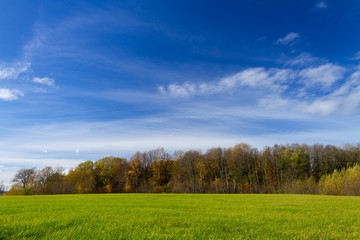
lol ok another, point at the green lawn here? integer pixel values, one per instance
(179, 216)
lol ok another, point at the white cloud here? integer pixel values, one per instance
(258, 78)
(12, 72)
(288, 39)
(10, 94)
(324, 75)
(321, 5)
(342, 100)
(262, 78)
(184, 90)
(45, 81)
(250, 77)
(289, 89)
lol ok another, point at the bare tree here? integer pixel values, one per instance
(44, 175)
(25, 176)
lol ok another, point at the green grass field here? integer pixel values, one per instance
(182, 216)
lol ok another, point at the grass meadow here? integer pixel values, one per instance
(179, 216)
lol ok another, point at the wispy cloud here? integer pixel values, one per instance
(10, 94)
(289, 39)
(323, 76)
(257, 77)
(45, 81)
(184, 90)
(319, 89)
(356, 56)
(124, 137)
(13, 71)
(59, 38)
(273, 79)
(253, 78)
(341, 99)
(321, 5)
(40, 36)
(304, 59)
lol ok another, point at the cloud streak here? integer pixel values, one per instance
(44, 81)
(289, 39)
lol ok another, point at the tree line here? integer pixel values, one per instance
(295, 168)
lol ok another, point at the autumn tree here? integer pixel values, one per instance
(82, 178)
(244, 167)
(188, 171)
(291, 168)
(213, 169)
(162, 173)
(135, 174)
(120, 169)
(108, 173)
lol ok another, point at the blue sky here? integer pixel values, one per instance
(81, 80)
